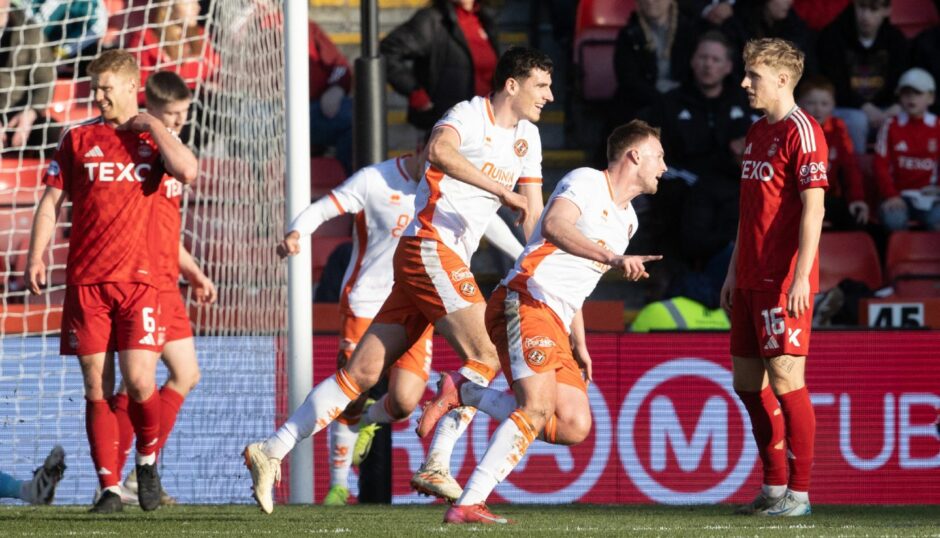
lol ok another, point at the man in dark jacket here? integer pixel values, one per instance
(444, 54)
(703, 123)
(864, 55)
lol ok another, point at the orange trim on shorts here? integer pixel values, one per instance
(346, 383)
(524, 423)
(336, 203)
(529, 181)
(433, 176)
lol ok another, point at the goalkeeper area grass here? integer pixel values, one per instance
(530, 520)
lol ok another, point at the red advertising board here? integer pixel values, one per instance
(668, 427)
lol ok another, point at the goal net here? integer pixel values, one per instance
(232, 217)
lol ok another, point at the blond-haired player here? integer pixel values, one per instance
(584, 231)
(477, 154)
(773, 275)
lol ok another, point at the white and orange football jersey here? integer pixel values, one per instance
(382, 197)
(561, 280)
(457, 213)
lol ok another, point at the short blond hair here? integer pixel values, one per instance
(776, 53)
(115, 61)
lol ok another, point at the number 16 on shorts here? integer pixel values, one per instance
(782, 334)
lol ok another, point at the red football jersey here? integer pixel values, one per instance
(906, 154)
(780, 161)
(110, 176)
(166, 212)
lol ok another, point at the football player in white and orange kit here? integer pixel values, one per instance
(382, 198)
(477, 154)
(583, 233)
(774, 273)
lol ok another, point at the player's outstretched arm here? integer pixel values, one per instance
(43, 227)
(202, 284)
(444, 154)
(500, 236)
(799, 296)
(306, 223)
(559, 228)
(178, 159)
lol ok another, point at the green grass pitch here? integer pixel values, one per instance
(531, 520)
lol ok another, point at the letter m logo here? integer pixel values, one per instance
(666, 430)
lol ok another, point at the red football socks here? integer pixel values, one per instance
(767, 423)
(102, 430)
(145, 416)
(801, 436)
(170, 404)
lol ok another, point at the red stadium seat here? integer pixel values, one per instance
(848, 255)
(913, 253)
(21, 181)
(596, 28)
(321, 248)
(325, 174)
(913, 16)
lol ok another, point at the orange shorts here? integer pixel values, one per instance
(431, 281)
(539, 344)
(416, 360)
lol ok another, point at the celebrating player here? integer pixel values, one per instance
(477, 153)
(588, 223)
(382, 198)
(773, 275)
(110, 168)
(168, 99)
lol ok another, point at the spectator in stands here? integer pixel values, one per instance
(863, 54)
(817, 15)
(754, 19)
(27, 77)
(906, 157)
(651, 56)
(925, 53)
(703, 124)
(846, 208)
(72, 26)
(446, 53)
(713, 13)
(173, 40)
(331, 108)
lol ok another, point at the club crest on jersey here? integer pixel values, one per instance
(461, 274)
(144, 151)
(521, 147)
(468, 289)
(73, 337)
(538, 341)
(535, 357)
(772, 150)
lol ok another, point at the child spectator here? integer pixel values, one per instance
(906, 155)
(845, 199)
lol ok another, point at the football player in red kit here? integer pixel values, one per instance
(774, 273)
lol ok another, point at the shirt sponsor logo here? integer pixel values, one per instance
(521, 147)
(461, 274)
(761, 170)
(914, 163)
(109, 171)
(174, 188)
(502, 176)
(535, 357)
(538, 341)
(812, 172)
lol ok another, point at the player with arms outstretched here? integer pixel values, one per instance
(583, 233)
(382, 198)
(774, 273)
(111, 167)
(477, 154)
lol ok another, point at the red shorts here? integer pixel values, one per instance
(124, 314)
(174, 317)
(431, 281)
(542, 343)
(761, 326)
(416, 360)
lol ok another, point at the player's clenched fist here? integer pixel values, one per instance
(35, 275)
(632, 266)
(289, 246)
